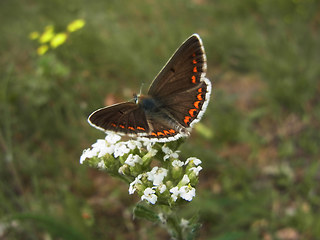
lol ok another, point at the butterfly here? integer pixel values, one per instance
(176, 100)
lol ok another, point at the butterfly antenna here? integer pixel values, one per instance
(141, 88)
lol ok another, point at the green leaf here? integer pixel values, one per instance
(143, 211)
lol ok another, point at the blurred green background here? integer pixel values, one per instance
(258, 141)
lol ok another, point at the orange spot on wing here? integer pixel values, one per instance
(160, 133)
(199, 96)
(193, 54)
(196, 104)
(193, 79)
(141, 128)
(200, 90)
(186, 119)
(113, 125)
(195, 69)
(172, 131)
(166, 132)
(154, 134)
(191, 112)
(194, 61)
(131, 128)
(121, 126)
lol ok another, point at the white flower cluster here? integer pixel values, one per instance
(111, 145)
(170, 183)
(101, 147)
(157, 175)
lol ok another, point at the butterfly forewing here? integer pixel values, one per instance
(127, 118)
(183, 71)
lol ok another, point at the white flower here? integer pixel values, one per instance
(197, 161)
(132, 187)
(146, 141)
(185, 180)
(151, 151)
(120, 149)
(177, 163)
(100, 148)
(187, 192)
(132, 144)
(169, 153)
(175, 193)
(156, 175)
(88, 153)
(196, 170)
(99, 144)
(161, 188)
(193, 160)
(103, 147)
(112, 138)
(106, 150)
(149, 195)
(133, 159)
(165, 149)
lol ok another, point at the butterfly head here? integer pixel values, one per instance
(136, 98)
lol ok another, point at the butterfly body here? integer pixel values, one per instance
(155, 110)
(149, 104)
(177, 98)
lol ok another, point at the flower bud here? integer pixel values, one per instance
(177, 169)
(193, 175)
(124, 170)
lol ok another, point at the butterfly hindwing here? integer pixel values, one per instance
(188, 107)
(161, 132)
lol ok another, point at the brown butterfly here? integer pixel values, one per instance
(177, 98)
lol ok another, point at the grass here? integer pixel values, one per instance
(261, 162)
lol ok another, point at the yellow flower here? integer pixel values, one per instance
(42, 49)
(58, 39)
(47, 35)
(34, 35)
(76, 25)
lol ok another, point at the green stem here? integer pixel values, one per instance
(124, 178)
(174, 228)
